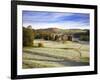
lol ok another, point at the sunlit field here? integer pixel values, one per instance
(55, 54)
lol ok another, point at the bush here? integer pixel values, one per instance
(40, 45)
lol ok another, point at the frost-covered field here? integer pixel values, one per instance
(55, 54)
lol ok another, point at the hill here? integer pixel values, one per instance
(58, 30)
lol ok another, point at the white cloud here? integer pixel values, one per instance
(63, 25)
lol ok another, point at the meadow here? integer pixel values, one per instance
(55, 54)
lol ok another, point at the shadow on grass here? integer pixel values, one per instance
(64, 62)
(61, 60)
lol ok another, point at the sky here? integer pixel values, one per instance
(63, 20)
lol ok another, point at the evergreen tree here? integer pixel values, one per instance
(28, 36)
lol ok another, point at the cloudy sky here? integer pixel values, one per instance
(63, 20)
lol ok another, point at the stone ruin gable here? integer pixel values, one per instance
(64, 37)
(70, 37)
(53, 36)
(60, 36)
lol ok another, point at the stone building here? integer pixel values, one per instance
(60, 37)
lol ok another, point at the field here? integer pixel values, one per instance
(55, 54)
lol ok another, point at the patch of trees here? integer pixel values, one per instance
(43, 35)
(28, 36)
(83, 36)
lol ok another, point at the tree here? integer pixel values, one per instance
(28, 36)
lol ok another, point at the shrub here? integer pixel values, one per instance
(40, 45)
